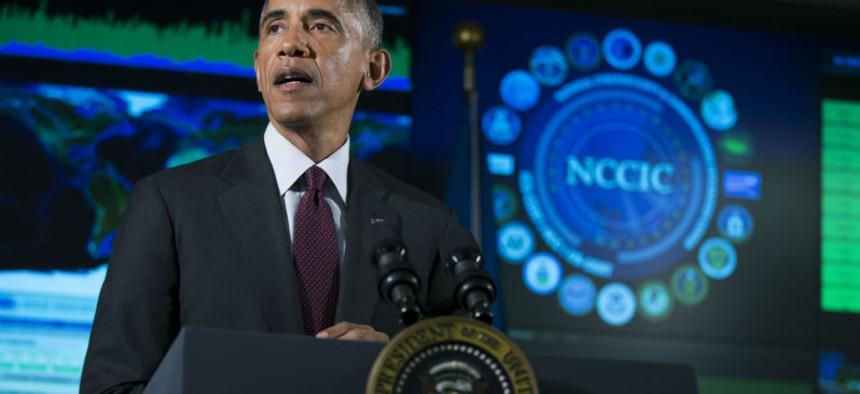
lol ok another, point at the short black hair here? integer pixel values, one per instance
(372, 23)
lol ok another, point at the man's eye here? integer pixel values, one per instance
(275, 28)
(321, 27)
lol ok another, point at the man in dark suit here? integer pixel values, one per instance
(220, 242)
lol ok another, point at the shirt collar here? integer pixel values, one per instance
(290, 163)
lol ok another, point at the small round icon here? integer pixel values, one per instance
(616, 304)
(717, 258)
(736, 147)
(622, 49)
(542, 273)
(689, 285)
(718, 110)
(659, 59)
(655, 301)
(576, 295)
(504, 203)
(501, 125)
(735, 223)
(519, 90)
(583, 50)
(693, 79)
(516, 241)
(548, 65)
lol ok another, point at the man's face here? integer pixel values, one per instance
(311, 60)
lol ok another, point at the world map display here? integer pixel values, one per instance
(70, 157)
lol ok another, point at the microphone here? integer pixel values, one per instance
(475, 289)
(396, 278)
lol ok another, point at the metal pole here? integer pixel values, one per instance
(468, 37)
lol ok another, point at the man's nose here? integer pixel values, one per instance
(295, 42)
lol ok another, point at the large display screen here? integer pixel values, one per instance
(839, 370)
(840, 193)
(214, 40)
(840, 226)
(655, 188)
(635, 175)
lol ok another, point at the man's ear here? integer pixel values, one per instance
(257, 71)
(380, 66)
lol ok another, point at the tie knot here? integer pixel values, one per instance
(315, 177)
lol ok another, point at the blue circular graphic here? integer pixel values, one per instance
(616, 304)
(617, 175)
(623, 176)
(689, 285)
(655, 301)
(583, 50)
(515, 242)
(622, 49)
(735, 223)
(693, 79)
(717, 258)
(501, 125)
(519, 90)
(504, 203)
(576, 295)
(718, 110)
(542, 273)
(659, 59)
(548, 65)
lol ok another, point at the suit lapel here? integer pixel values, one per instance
(257, 220)
(359, 293)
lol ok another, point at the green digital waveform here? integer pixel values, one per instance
(217, 41)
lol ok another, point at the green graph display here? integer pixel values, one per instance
(224, 41)
(840, 206)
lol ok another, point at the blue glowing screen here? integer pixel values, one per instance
(638, 174)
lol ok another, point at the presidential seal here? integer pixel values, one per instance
(451, 355)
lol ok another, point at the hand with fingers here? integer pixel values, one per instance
(353, 331)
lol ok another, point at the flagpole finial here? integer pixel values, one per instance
(468, 36)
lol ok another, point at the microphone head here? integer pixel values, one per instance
(397, 281)
(475, 289)
(460, 246)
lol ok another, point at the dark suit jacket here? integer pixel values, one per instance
(207, 244)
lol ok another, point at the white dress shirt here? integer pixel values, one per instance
(290, 165)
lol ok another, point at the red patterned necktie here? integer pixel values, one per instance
(315, 255)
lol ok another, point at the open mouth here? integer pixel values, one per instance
(293, 76)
